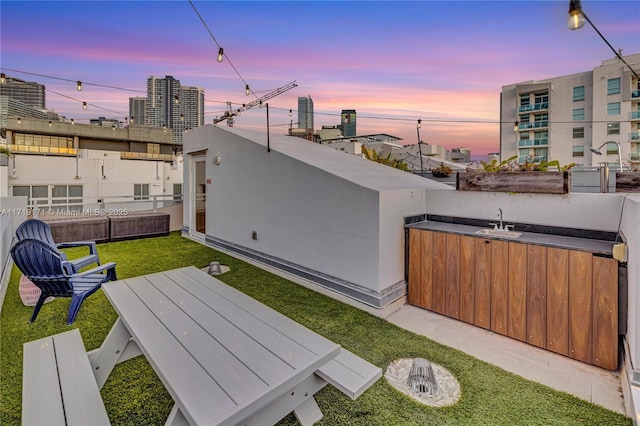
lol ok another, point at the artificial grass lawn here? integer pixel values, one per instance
(134, 395)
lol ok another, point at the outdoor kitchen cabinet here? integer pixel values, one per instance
(559, 299)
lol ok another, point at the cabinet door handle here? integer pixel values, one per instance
(487, 242)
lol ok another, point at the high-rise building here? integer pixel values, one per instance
(305, 113)
(191, 108)
(27, 92)
(137, 107)
(171, 106)
(562, 118)
(348, 122)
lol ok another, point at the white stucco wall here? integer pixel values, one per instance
(630, 227)
(310, 205)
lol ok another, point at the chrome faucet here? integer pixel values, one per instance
(501, 226)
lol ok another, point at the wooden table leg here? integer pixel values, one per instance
(117, 347)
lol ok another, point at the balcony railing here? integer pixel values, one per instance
(634, 156)
(533, 142)
(635, 115)
(534, 107)
(536, 159)
(146, 156)
(634, 136)
(105, 205)
(635, 94)
(534, 125)
(31, 149)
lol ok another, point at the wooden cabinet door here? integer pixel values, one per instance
(482, 283)
(537, 295)
(517, 325)
(605, 312)
(452, 277)
(439, 272)
(580, 305)
(467, 261)
(558, 300)
(415, 264)
(499, 286)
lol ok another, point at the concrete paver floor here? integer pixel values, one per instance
(594, 384)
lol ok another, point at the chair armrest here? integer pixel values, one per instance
(110, 267)
(90, 244)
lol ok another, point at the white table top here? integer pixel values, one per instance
(220, 354)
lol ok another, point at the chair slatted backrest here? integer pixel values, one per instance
(43, 265)
(37, 229)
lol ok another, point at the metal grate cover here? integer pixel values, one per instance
(422, 380)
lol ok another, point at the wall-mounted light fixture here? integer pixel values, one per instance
(217, 160)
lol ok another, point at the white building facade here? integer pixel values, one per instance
(562, 118)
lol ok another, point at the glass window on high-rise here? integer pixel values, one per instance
(613, 86)
(578, 150)
(578, 93)
(524, 99)
(578, 114)
(613, 108)
(578, 132)
(613, 128)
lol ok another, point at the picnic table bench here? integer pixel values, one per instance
(58, 385)
(224, 357)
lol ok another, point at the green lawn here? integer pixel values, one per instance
(133, 394)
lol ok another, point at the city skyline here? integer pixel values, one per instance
(394, 62)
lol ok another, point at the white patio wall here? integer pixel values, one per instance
(12, 213)
(328, 214)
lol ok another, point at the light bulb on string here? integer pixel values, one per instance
(79, 86)
(220, 54)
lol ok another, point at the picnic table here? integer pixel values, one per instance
(224, 357)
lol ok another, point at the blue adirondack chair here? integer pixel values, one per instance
(56, 276)
(39, 230)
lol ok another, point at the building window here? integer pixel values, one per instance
(612, 148)
(65, 195)
(578, 93)
(613, 128)
(613, 108)
(36, 194)
(140, 191)
(177, 192)
(525, 99)
(613, 86)
(541, 97)
(541, 117)
(578, 150)
(578, 132)
(578, 114)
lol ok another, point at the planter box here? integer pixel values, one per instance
(534, 182)
(138, 225)
(93, 228)
(628, 182)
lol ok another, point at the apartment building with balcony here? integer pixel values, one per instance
(562, 118)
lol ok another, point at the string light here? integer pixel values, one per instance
(84, 105)
(220, 54)
(3, 78)
(79, 86)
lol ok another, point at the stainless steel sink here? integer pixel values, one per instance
(504, 233)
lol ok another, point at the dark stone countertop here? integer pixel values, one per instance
(597, 246)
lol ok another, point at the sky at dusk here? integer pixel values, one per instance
(394, 62)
